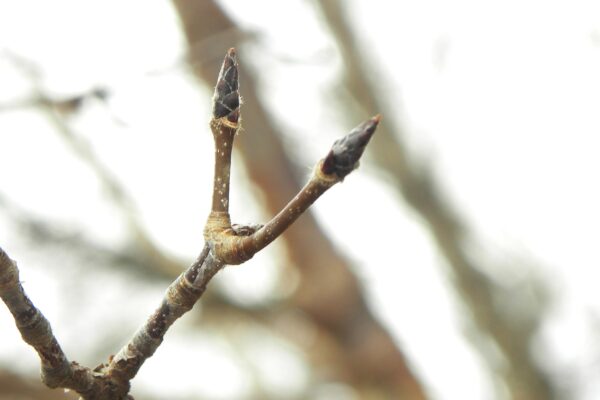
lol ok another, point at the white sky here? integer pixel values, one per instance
(501, 97)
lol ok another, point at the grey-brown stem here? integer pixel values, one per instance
(180, 297)
(223, 134)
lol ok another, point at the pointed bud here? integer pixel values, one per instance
(226, 100)
(345, 152)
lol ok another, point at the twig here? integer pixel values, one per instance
(225, 244)
(339, 162)
(343, 157)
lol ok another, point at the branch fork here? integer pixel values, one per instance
(225, 244)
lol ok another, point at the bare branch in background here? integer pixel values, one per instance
(41, 233)
(16, 387)
(486, 300)
(56, 110)
(112, 381)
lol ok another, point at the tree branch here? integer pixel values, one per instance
(224, 244)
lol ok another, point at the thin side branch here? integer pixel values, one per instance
(339, 162)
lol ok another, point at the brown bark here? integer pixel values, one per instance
(329, 293)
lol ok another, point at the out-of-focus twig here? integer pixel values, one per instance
(23, 387)
(368, 359)
(415, 183)
(117, 193)
(42, 233)
(55, 111)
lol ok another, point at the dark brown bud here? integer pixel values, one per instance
(227, 98)
(345, 152)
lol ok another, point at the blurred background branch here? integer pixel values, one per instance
(19, 387)
(413, 180)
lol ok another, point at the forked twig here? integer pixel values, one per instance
(225, 244)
